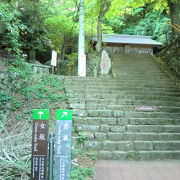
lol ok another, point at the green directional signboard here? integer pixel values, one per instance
(63, 114)
(42, 114)
(62, 155)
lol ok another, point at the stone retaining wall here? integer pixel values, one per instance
(9, 84)
(38, 68)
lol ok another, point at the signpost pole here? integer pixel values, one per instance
(39, 144)
(62, 156)
(51, 155)
(81, 45)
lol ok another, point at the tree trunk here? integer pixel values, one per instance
(62, 55)
(99, 35)
(175, 15)
(32, 55)
(2, 64)
(104, 8)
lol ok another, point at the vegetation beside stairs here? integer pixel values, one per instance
(43, 92)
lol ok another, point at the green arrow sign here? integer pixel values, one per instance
(63, 114)
(42, 114)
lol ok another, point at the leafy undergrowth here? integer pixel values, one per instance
(83, 160)
(170, 57)
(43, 92)
(166, 69)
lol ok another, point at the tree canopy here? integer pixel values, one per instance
(27, 24)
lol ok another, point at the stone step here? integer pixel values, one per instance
(126, 114)
(138, 67)
(120, 88)
(136, 75)
(139, 155)
(133, 146)
(127, 76)
(151, 114)
(137, 136)
(97, 113)
(132, 62)
(153, 128)
(129, 128)
(122, 92)
(154, 121)
(132, 97)
(125, 121)
(135, 59)
(149, 67)
(121, 85)
(135, 62)
(81, 102)
(142, 108)
(129, 136)
(170, 109)
(123, 74)
(124, 80)
(102, 93)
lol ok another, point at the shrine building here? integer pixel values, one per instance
(116, 43)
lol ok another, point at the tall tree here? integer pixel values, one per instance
(174, 7)
(61, 33)
(104, 6)
(10, 26)
(33, 37)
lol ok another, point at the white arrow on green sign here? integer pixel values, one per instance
(42, 114)
(63, 114)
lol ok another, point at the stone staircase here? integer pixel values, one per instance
(135, 115)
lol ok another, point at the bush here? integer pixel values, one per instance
(9, 27)
(20, 68)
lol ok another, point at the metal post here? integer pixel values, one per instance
(81, 51)
(51, 156)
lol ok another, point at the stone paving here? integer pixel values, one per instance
(137, 170)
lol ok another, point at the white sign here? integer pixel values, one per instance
(145, 108)
(54, 58)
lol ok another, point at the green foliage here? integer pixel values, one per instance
(153, 24)
(61, 31)
(170, 56)
(20, 68)
(72, 63)
(33, 34)
(81, 173)
(81, 138)
(4, 98)
(80, 155)
(15, 104)
(15, 141)
(10, 26)
(46, 88)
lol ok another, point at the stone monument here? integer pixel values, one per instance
(105, 63)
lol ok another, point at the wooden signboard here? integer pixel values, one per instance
(39, 146)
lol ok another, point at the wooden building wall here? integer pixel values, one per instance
(122, 48)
